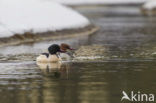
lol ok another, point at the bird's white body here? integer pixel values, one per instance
(53, 58)
(44, 59)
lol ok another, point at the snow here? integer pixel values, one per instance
(79, 2)
(19, 16)
(4, 32)
(149, 5)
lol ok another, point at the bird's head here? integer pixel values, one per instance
(54, 48)
(65, 47)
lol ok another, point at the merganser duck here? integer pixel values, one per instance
(56, 53)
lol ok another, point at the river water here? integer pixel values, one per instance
(130, 39)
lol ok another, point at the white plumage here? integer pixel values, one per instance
(50, 58)
(53, 58)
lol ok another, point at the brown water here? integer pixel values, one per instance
(130, 38)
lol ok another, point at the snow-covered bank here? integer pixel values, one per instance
(150, 5)
(104, 2)
(29, 37)
(149, 8)
(36, 16)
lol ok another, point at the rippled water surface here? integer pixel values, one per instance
(130, 39)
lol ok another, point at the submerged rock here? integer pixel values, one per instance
(90, 52)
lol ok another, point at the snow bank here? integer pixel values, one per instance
(19, 16)
(150, 5)
(79, 2)
(4, 32)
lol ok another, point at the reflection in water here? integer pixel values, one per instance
(56, 69)
(53, 85)
(101, 82)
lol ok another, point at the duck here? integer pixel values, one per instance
(56, 53)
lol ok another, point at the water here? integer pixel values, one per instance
(130, 38)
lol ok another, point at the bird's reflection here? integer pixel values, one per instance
(57, 69)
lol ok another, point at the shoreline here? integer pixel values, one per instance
(147, 12)
(104, 5)
(29, 37)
